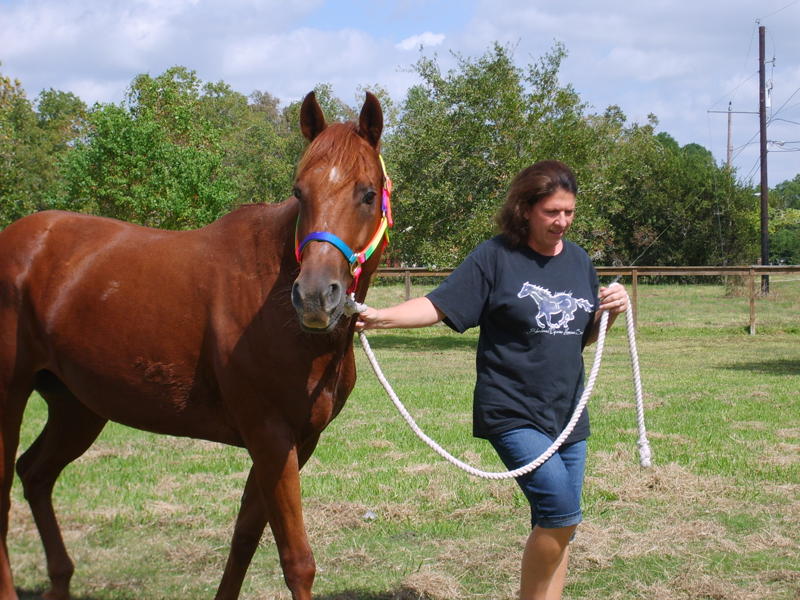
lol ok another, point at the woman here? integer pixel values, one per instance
(535, 297)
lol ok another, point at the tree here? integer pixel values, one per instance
(258, 149)
(63, 116)
(31, 146)
(155, 159)
(786, 194)
(784, 243)
(461, 137)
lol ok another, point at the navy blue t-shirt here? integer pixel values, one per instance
(534, 314)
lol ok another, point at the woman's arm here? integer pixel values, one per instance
(417, 312)
(614, 299)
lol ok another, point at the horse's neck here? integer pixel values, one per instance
(266, 230)
(537, 294)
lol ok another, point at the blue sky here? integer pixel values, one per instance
(674, 58)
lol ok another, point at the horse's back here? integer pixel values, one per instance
(58, 238)
(49, 252)
(58, 259)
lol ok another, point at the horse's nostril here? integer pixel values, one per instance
(297, 299)
(334, 295)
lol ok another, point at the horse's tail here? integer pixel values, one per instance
(584, 304)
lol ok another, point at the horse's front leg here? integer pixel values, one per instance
(276, 466)
(249, 528)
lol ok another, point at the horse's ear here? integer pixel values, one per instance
(312, 121)
(370, 122)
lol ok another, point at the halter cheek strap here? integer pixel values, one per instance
(354, 259)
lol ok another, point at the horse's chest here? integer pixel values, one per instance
(328, 393)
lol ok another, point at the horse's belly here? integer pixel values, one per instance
(153, 396)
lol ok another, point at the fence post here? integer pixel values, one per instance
(407, 279)
(752, 301)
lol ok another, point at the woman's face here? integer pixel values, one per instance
(548, 221)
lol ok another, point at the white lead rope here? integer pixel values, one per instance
(644, 446)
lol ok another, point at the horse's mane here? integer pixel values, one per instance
(339, 145)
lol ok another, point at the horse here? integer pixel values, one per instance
(234, 333)
(550, 304)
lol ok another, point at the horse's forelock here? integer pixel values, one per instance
(341, 146)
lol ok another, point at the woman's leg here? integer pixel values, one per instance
(554, 491)
(544, 563)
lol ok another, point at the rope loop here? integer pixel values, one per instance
(354, 307)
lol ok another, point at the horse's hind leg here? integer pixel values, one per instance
(13, 397)
(70, 429)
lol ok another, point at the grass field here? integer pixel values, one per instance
(716, 518)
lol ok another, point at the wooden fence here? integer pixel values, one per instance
(750, 273)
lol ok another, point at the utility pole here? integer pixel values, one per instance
(762, 111)
(730, 112)
(729, 157)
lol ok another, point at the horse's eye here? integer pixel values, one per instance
(369, 197)
(296, 192)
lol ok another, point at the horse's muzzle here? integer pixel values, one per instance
(319, 305)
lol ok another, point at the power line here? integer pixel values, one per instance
(747, 143)
(753, 169)
(794, 93)
(740, 84)
(773, 13)
(785, 121)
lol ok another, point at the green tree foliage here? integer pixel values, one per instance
(784, 218)
(155, 159)
(258, 156)
(786, 194)
(31, 145)
(669, 205)
(460, 138)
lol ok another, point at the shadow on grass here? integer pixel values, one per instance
(401, 594)
(389, 341)
(31, 595)
(778, 366)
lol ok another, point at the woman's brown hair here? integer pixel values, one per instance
(531, 185)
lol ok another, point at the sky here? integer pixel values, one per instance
(677, 59)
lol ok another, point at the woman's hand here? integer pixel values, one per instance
(367, 319)
(614, 299)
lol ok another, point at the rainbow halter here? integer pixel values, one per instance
(354, 259)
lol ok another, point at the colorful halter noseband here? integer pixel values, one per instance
(355, 259)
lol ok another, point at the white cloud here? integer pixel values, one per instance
(646, 65)
(426, 39)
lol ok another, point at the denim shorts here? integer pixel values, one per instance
(554, 489)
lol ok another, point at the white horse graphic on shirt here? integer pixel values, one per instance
(552, 304)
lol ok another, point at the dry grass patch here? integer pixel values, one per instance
(429, 585)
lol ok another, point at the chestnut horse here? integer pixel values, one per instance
(220, 334)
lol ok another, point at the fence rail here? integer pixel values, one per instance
(750, 272)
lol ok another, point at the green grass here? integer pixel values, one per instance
(717, 517)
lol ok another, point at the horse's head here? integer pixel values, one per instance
(527, 288)
(344, 211)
